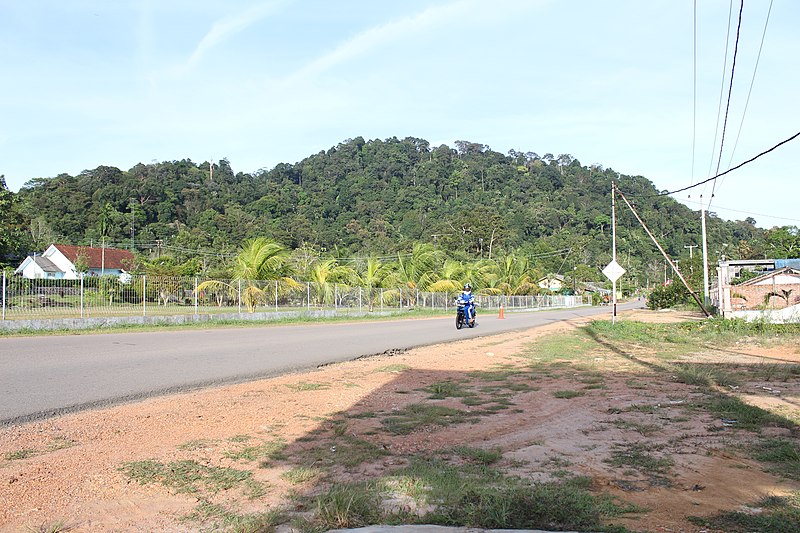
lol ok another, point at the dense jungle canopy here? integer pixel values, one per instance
(378, 198)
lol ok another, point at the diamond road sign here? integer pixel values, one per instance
(613, 271)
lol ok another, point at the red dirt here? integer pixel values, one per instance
(72, 477)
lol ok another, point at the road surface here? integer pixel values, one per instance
(42, 377)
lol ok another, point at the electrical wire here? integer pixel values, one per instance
(740, 165)
(746, 212)
(749, 92)
(730, 88)
(722, 84)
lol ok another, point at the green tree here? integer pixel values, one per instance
(259, 259)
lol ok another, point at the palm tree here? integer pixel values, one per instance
(324, 273)
(258, 259)
(414, 271)
(514, 276)
(369, 273)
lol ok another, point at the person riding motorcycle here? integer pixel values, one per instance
(469, 303)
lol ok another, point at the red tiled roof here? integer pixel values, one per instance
(114, 257)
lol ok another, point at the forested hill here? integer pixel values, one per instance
(378, 197)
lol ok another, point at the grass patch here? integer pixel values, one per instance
(393, 369)
(773, 514)
(568, 394)
(447, 389)
(221, 519)
(419, 415)
(783, 456)
(643, 429)
(302, 474)
(552, 348)
(432, 491)
(638, 458)
(267, 451)
(743, 415)
(21, 454)
(186, 476)
(478, 455)
(308, 386)
(346, 451)
(704, 375)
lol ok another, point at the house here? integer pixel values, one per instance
(59, 262)
(553, 282)
(771, 290)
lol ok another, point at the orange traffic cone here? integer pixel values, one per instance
(502, 314)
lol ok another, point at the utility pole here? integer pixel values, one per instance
(613, 251)
(691, 247)
(705, 252)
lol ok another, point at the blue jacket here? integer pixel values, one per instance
(467, 297)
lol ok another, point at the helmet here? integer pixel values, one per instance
(467, 287)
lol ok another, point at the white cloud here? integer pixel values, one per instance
(229, 26)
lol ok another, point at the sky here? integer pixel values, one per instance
(640, 87)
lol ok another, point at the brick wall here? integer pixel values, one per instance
(752, 296)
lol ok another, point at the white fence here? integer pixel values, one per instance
(96, 297)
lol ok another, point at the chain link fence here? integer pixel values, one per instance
(97, 297)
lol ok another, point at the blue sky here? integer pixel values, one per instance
(89, 83)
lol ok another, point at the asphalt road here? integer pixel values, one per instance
(43, 377)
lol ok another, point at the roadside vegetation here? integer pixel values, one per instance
(344, 475)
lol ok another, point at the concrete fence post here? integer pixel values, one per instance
(196, 296)
(4, 295)
(144, 295)
(239, 296)
(81, 298)
(276, 295)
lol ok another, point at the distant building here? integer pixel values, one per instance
(770, 292)
(60, 261)
(553, 282)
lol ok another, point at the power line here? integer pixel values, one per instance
(750, 91)
(740, 165)
(745, 212)
(722, 84)
(730, 91)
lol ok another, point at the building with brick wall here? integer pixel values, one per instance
(773, 290)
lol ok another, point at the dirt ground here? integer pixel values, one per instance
(64, 473)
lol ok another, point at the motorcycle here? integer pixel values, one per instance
(461, 314)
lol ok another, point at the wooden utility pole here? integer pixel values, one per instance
(660, 249)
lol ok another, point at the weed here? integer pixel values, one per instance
(346, 451)
(783, 454)
(478, 455)
(707, 376)
(185, 476)
(638, 458)
(773, 514)
(348, 506)
(447, 389)
(744, 415)
(394, 369)
(21, 454)
(302, 474)
(568, 394)
(52, 527)
(643, 429)
(223, 520)
(267, 450)
(419, 415)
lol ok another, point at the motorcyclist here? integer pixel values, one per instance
(469, 303)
